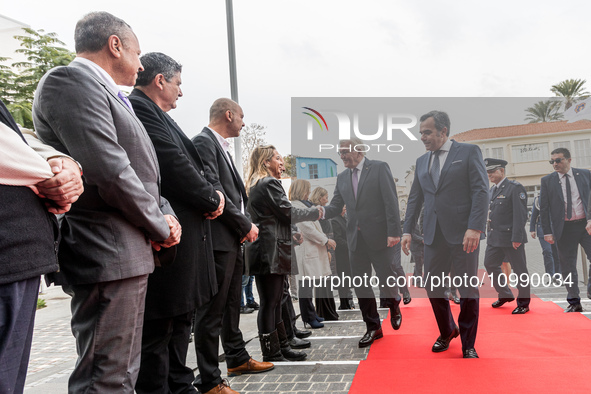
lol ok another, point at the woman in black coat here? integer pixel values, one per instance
(269, 257)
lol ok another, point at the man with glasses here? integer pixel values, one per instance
(506, 236)
(373, 230)
(564, 206)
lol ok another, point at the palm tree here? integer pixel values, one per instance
(544, 111)
(572, 90)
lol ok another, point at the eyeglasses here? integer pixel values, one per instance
(557, 161)
(342, 153)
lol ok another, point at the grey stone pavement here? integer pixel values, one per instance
(330, 366)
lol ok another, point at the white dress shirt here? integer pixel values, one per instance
(578, 208)
(443, 152)
(225, 145)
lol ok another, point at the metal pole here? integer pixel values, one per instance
(233, 78)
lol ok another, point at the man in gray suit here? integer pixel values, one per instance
(451, 181)
(368, 189)
(108, 237)
(564, 209)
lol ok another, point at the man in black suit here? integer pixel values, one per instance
(506, 235)
(229, 231)
(174, 291)
(564, 207)
(373, 228)
(450, 184)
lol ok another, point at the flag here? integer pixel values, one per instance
(578, 111)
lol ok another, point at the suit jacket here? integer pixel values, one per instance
(191, 280)
(458, 203)
(28, 235)
(375, 211)
(417, 244)
(508, 214)
(232, 225)
(552, 204)
(535, 218)
(106, 235)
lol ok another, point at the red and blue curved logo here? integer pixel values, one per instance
(315, 118)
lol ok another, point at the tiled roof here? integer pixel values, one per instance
(522, 129)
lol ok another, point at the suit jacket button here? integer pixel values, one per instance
(202, 172)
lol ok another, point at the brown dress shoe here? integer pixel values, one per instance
(251, 366)
(222, 388)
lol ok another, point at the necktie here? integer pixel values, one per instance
(569, 199)
(355, 181)
(494, 190)
(124, 98)
(435, 168)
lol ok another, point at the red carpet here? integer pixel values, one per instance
(543, 351)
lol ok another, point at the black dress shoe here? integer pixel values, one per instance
(245, 309)
(253, 305)
(297, 343)
(395, 318)
(406, 298)
(520, 310)
(470, 353)
(370, 336)
(501, 301)
(574, 308)
(302, 333)
(442, 344)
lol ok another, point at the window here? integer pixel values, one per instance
(562, 144)
(313, 171)
(497, 153)
(583, 153)
(530, 152)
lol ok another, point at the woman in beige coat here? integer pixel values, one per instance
(312, 254)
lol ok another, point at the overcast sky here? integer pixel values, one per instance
(370, 48)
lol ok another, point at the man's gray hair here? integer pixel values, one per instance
(93, 31)
(155, 63)
(352, 142)
(441, 120)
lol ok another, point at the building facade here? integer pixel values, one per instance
(527, 148)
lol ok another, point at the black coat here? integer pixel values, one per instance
(508, 215)
(191, 280)
(339, 227)
(271, 211)
(231, 226)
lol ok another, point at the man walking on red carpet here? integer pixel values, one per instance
(451, 181)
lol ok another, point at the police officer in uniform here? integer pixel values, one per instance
(506, 235)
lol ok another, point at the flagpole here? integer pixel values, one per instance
(233, 78)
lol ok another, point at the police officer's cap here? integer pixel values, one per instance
(493, 164)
